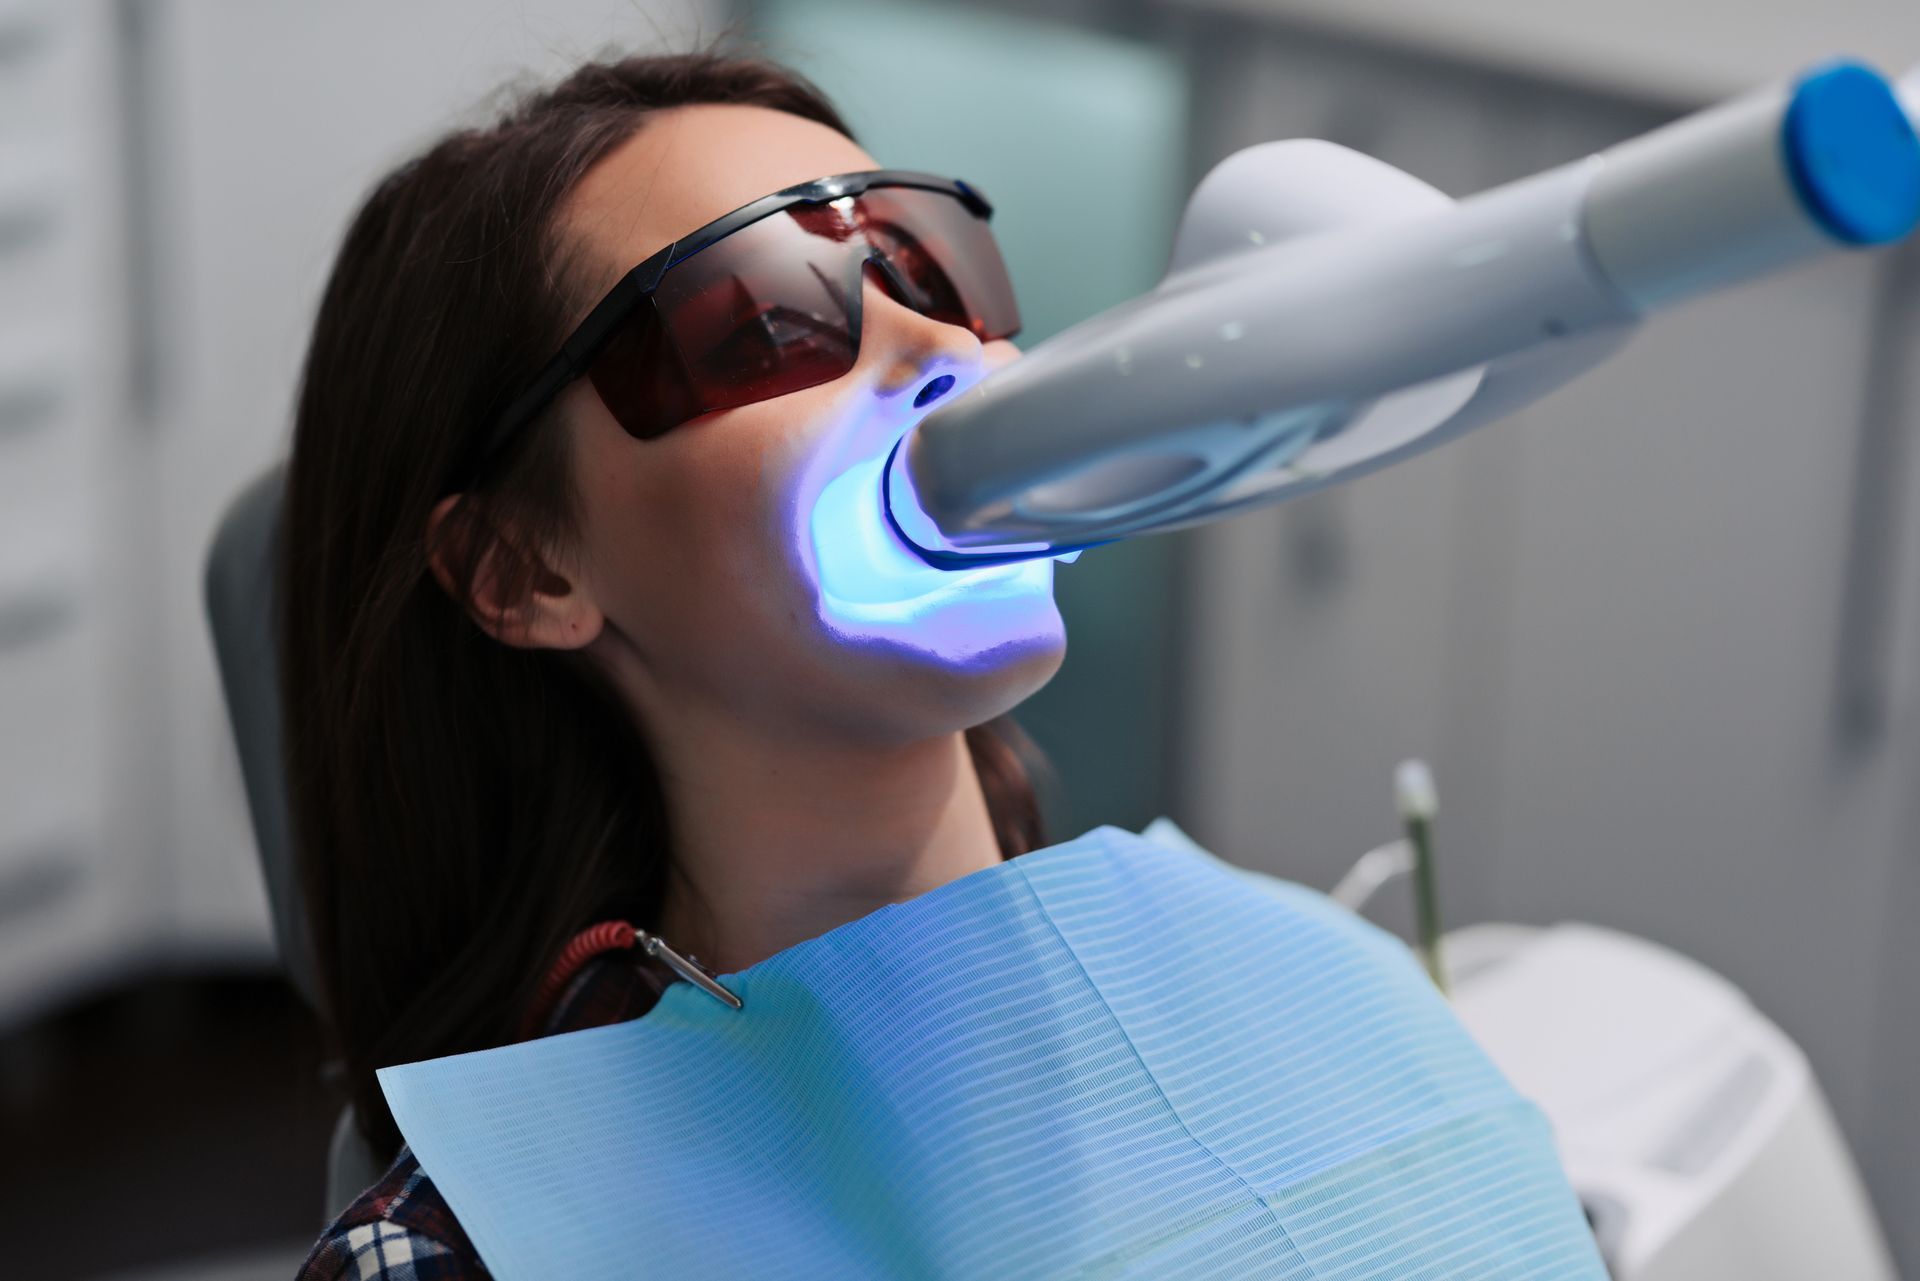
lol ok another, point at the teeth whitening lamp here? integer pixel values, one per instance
(1325, 314)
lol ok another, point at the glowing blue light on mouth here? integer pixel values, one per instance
(867, 573)
(919, 533)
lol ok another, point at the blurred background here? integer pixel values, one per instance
(1657, 635)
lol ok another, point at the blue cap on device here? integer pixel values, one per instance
(1853, 155)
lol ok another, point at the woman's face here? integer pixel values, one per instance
(732, 574)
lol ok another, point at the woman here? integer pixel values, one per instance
(592, 630)
(596, 676)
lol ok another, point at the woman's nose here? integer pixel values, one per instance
(929, 358)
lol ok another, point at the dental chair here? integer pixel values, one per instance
(240, 586)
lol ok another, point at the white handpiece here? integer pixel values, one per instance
(1325, 314)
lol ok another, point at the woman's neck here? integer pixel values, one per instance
(774, 846)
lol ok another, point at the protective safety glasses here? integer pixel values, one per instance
(766, 300)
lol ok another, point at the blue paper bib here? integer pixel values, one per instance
(1113, 1057)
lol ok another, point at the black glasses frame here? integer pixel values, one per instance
(635, 289)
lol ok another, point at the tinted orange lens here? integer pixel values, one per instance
(945, 253)
(774, 308)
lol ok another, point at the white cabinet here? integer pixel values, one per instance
(74, 872)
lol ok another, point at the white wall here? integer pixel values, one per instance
(1673, 51)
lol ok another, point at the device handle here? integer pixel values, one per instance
(1757, 184)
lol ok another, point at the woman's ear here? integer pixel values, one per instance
(513, 595)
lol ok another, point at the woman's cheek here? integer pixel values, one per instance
(783, 474)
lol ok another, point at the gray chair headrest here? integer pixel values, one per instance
(240, 591)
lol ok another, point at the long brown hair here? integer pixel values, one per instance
(460, 807)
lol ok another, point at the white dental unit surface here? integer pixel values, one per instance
(1692, 1128)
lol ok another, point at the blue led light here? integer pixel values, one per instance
(871, 584)
(918, 534)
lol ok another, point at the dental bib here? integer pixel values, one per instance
(1119, 1056)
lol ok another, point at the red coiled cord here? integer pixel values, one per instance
(607, 936)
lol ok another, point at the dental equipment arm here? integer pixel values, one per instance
(1325, 314)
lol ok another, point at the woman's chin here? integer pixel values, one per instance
(979, 630)
(950, 671)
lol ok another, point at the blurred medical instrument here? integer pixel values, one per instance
(1370, 872)
(1414, 796)
(1417, 801)
(1325, 314)
(1691, 1127)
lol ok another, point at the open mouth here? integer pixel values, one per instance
(862, 561)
